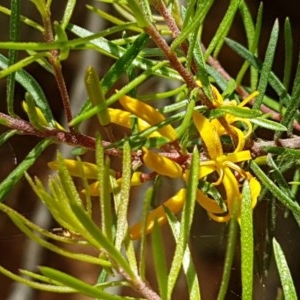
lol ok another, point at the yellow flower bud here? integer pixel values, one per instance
(174, 204)
(148, 114)
(122, 118)
(90, 170)
(161, 164)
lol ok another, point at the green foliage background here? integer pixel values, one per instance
(253, 249)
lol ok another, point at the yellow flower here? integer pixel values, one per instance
(90, 171)
(230, 119)
(222, 170)
(122, 118)
(148, 114)
(225, 165)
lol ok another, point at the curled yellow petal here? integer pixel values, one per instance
(248, 98)
(208, 135)
(232, 191)
(122, 118)
(161, 164)
(220, 218)
(208, 204)
(135, 181)
(174, 204)
(74, 167)
(148, 114)
(255, 188)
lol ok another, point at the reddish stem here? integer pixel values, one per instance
(55, 62)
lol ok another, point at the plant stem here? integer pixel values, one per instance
(55, 62)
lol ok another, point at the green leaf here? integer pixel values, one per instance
(229, 256)
(237, 112)
(35, 285)
(294, 103)
(186, 221)
(12, 179)
(78, 285)
(290, 153)
(288, 57)
(112, 50)
(268, 124)
(267, 65)
(160, 264)
(187, 263)
(33, 88)
(86, 114)
(277, 192)
(104, 190)
(286, 279)
(122, 209)
(252, 33)
(5, 136)
(278, 177)
(223, 29)
(143, 246)
(68, 11)
(124, 62)
(274, 81)
(247, 243)
(92, 230)
(191, 25)
(14, 30)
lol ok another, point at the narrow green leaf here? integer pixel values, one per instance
(32, 87)
(23, 19)
(160, 263)
(202, 73)
(143, 246)
(268, 124)
(96, 95)
(104, 191)
(122, 209)
(5, 136)
(229, 256)
(68, 11)
(29, 229)
(124, 62)
(286, 279)
(111, 49)
(78, 285)
(277, 192)
(294, 103)
(278, 177)
(12, 179)
(291, 153)
(238, 112)
(274, 81)
(252, 33)
(35, 285)
(267, 65)
(11, 69)
(247, 243)
(186, 221)
(14, 30)
(103, 243)
(219, 37)
(187, 263)
(88, 113)
(186, 122)
(192, 25)
(254, 46)
(288, 57)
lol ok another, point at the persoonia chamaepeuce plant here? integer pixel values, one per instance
(206, 132)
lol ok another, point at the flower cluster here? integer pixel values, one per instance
(221, 172)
